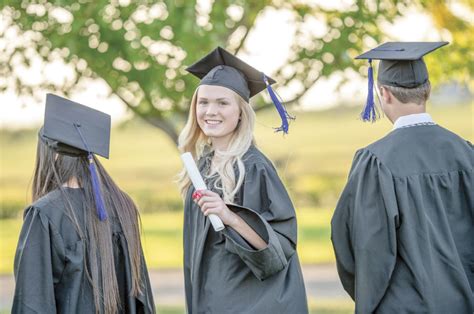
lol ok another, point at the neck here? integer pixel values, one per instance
(72, 183)
(221, 143)
(401, 110)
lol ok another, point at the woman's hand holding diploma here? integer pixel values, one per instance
(212, 204)
(199, 185)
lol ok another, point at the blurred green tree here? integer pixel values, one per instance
(140, 48)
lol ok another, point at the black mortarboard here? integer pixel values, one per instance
(401, 65)
(76, 130)
(60, 132)
(222, 68)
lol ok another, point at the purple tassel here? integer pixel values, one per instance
(284, 115)
(99, 202)
(370, 112)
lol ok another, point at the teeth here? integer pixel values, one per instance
(212, 122)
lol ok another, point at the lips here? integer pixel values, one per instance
(213, 122)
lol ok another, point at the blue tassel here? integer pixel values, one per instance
(284, 115)
(99, 202)
(370, 112)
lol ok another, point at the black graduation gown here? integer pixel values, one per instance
(403, 229)
(223, 273)
(50, 274)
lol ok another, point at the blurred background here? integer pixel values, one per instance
(127, 58)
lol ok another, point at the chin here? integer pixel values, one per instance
(211, 134)
(214, 134)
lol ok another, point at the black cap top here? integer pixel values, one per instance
(65, 121)
(222, 68)
(402, 63)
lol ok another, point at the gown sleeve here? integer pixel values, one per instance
(363, 231)
(38, 264)
(187, 247)
(266, 208)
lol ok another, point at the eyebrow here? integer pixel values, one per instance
(221, 98)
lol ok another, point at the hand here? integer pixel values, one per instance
(212, 203)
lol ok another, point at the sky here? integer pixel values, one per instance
(271, 36)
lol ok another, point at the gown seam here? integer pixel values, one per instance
(378, 159)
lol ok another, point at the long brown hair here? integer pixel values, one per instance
(52, 171)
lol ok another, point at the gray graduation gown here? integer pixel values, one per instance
(49, 262)
(223, 273)
(403, 230)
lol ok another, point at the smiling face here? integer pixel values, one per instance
(217, 113)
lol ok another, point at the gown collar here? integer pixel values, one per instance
(413, 120)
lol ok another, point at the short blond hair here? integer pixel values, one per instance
(418, 95)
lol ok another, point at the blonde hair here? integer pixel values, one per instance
(192, 139)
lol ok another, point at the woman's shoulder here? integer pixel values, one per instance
(254, 158)
(53, 204)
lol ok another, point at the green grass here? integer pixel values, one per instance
(331, 307)
(313, 161)
(162, 239)
(319, 307)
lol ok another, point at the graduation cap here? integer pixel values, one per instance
(401, 65)
(76, 130)
(222, 68)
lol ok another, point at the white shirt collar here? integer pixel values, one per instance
(412, 119)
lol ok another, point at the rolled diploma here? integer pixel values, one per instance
(198, 183)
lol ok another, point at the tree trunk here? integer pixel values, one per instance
(165, 126)
(158, 122)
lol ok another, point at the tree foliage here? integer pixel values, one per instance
(140, 48)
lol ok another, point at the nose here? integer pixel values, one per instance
(212, 109)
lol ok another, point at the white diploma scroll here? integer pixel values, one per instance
(198, 183)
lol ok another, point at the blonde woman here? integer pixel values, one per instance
(252, 265)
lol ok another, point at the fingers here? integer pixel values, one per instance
(206, 199)
(200, 193)
(196, 195)
(209, 202)
(209, 205)
(207, 212)
(209, 193)
(210, 211)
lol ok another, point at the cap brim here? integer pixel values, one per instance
(401, 50)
